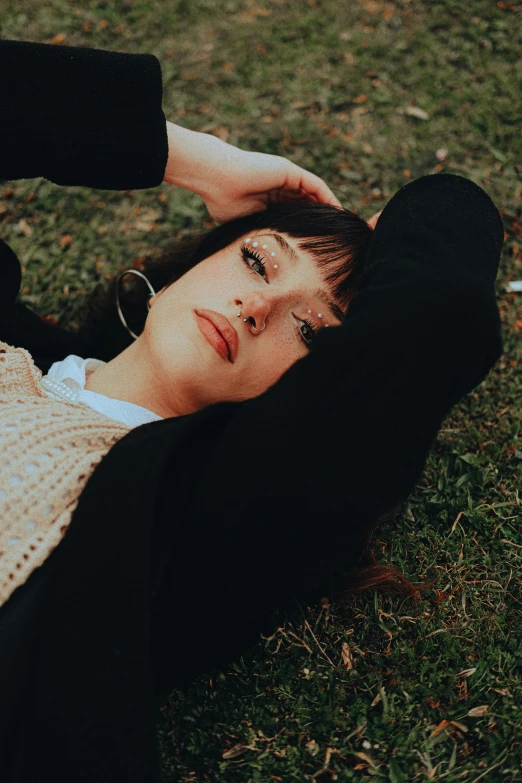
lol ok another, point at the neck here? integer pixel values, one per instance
(130, 378)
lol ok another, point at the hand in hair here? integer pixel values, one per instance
(234, 182)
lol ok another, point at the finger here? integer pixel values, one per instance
(296, 197)
(311, 184)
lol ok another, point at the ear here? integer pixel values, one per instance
(153, 298)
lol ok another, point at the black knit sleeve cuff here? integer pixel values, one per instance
(81, 116)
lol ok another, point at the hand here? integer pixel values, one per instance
(233, 182)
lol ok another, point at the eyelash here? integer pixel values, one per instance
(247, 253)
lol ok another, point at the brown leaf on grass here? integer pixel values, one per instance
(416, 111)
(86, 26)
(368, 759)
(102, 24)
(347, 657)
(444, 724)
(360, 99)
(24, 228)
(377, 699)
(237, 750)
(187, 75)
(65, 241)
(58, 39)
(478, 712)
(252, 14)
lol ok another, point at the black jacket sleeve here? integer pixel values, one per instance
(191, 530)
(78, 117)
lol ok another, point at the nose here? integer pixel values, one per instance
(255, 307)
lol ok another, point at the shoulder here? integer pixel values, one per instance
(18, 372)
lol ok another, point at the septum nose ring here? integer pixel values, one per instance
(246, 319)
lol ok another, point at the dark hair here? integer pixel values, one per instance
(337, 238)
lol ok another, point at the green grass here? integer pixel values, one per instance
(330, 85)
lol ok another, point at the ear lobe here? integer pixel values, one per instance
(153, 298)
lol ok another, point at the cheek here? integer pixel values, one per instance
(271, 362)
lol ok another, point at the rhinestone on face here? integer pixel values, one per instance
(255, 244)
(264, 247)
(272, 254)
(319, 315)
(275, 266)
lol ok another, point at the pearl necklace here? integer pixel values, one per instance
(58, 390)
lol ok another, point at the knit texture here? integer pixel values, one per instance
(49, 450)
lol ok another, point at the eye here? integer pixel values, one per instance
(306, 331)
(258, 265)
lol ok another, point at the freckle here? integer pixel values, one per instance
(255, 244)
(272, 254)
(319, 315)
(265, 247)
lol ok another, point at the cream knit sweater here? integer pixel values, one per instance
(48, 450)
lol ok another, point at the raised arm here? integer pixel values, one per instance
(93, 117)
(281, 491)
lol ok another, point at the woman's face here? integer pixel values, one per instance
(275, 285)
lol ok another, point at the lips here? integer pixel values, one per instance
(225, 330)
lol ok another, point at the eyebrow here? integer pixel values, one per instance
(320, 293)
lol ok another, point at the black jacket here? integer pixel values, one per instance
(191, 530)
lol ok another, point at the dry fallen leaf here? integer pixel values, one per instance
(443, 724)
(478, 712)
(347, 657)
(368, 759)
(24, 228)
(377, 699)
(415, 111)
(58, 39)
(235, 751)
(65, 241)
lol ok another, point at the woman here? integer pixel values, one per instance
(192, 529)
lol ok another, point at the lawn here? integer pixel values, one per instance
(369, 94)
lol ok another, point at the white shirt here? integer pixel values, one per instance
(73, 372)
